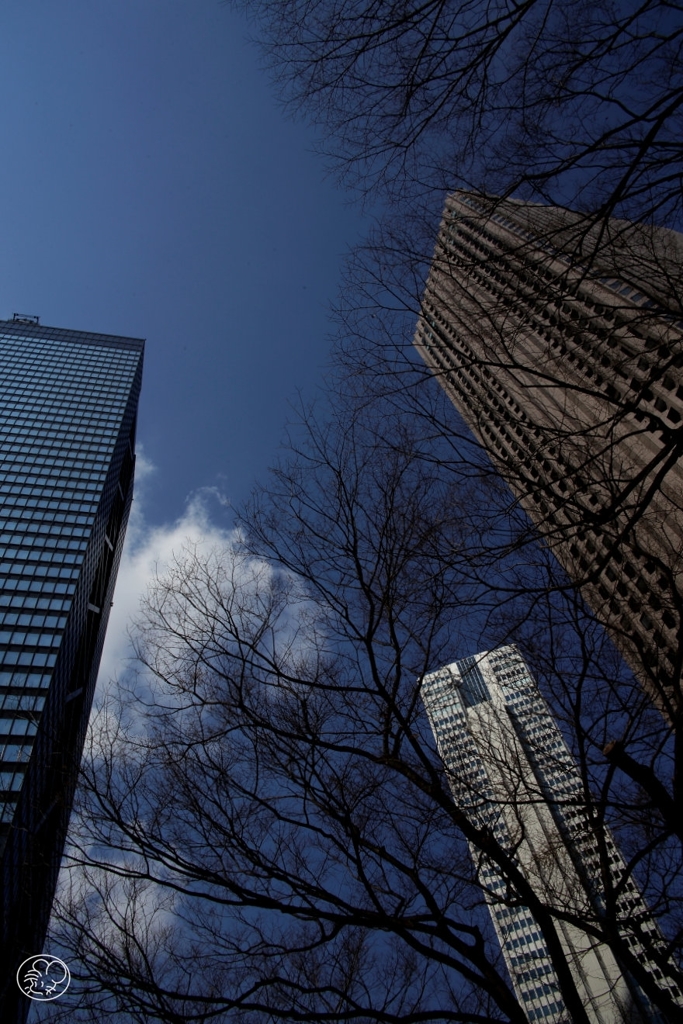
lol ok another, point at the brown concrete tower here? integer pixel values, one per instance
(561, 344)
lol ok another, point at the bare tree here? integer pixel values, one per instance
(575, 103)
(578, 105)
(569, 387)
(266, 830)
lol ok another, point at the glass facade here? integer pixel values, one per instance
(68, 403)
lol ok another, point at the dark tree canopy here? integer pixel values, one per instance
(574, 103)
(266, 831)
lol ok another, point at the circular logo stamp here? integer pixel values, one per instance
(43, 977)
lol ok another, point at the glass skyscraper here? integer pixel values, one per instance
(511, 772)
(68, 404)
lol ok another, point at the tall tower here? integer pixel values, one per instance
(68, 405)
(510, 771)
(561, 345)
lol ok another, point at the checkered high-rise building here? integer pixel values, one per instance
(560, 342)
(68, 406)
(511, 773)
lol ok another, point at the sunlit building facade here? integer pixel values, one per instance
(511, 772)
(561, 345)
(68, 405)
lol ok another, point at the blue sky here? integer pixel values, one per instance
(150, 185)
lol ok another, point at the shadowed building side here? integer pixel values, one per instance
(67, 451)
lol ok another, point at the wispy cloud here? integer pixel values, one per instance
(148, 551)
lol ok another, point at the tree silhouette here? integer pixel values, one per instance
(266, 830)
(576, 104)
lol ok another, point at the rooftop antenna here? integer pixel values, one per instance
(25, 318)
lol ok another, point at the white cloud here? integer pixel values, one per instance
(148, 551)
